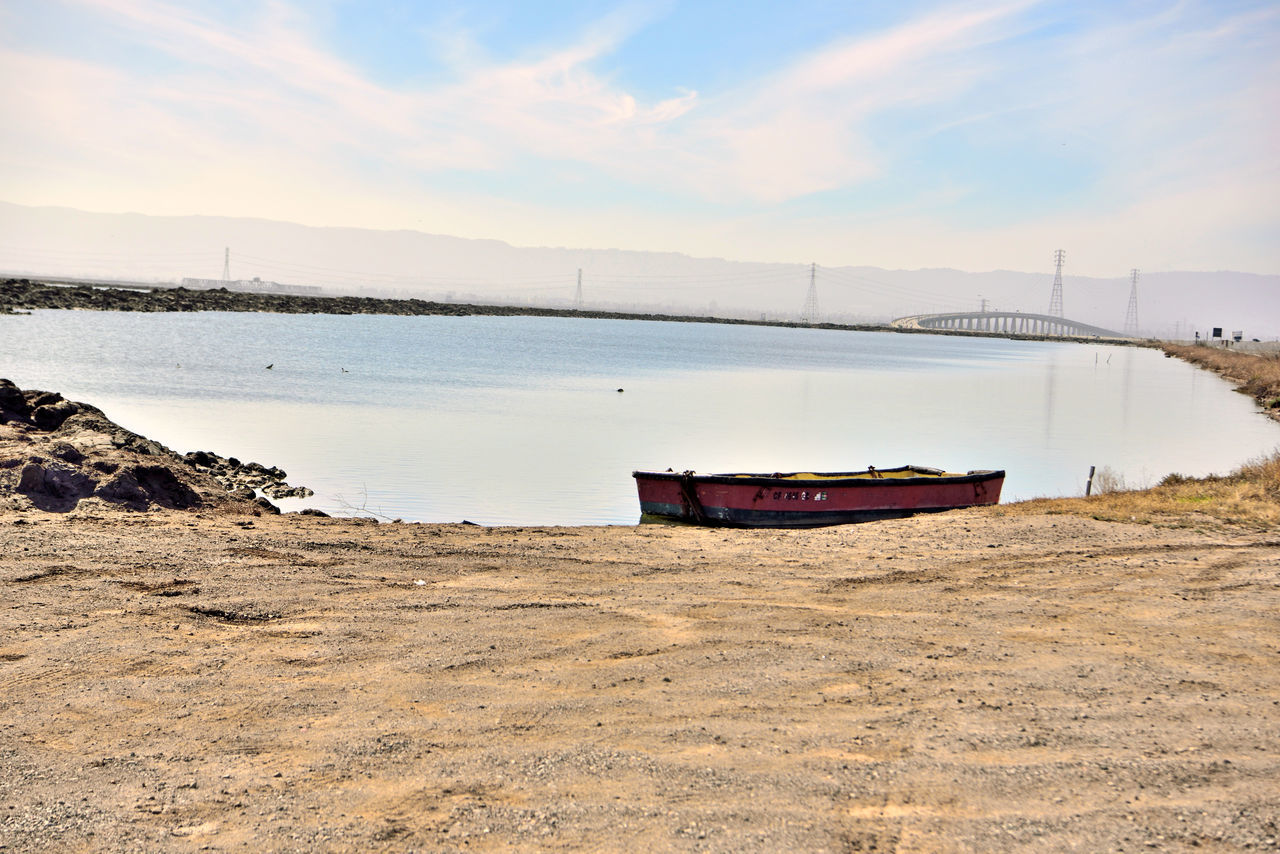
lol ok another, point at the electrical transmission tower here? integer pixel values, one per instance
(1131, 315)
(226, 264)
(577, 294)
(1055, 299)
(810, 313)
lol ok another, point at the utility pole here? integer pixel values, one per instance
(1055, 299)
(577, 295)
(1131, 315)
(810, 313)
(226, 264)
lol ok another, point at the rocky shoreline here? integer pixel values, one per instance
(243, 480)
(57, 453)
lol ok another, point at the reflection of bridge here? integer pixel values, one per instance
(1008, 322)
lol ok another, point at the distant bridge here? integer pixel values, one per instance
(1007, 322)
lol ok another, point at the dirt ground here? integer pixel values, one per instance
(971, 681)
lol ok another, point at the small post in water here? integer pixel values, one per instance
(1088, 487)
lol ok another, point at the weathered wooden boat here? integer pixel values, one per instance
(809, 499)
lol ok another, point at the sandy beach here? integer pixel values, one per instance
(201, 674)
(965, 682)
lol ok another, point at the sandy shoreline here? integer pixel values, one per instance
(1066, 675)
(965, 682)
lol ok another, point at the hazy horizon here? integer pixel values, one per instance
(60, 241)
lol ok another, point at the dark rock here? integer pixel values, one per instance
(44, 398)
(50, 416)
(130, 441)
(202, 459)
(67, 453)
(54, 487)
(137, 487)
(243, 493)
(311, 511)
(13, 405)
(284, 490)
(267, 506)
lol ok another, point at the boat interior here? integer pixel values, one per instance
(870, 473)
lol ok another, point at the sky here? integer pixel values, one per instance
(971, 135)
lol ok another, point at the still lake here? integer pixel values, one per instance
(519, 420)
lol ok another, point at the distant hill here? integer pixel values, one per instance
(62, 241)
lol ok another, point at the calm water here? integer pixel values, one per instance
(511, 420)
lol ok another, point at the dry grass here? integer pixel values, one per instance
(1257, 375)
(1248, 498)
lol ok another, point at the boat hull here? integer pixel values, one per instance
(800, 501)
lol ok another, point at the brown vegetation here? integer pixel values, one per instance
(1248, 497)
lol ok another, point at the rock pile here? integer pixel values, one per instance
(238, 477)
(56, 453)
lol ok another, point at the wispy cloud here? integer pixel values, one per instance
(1175, 104)
(773, 139)
(803, 129)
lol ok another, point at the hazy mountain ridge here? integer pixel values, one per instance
(62, 241)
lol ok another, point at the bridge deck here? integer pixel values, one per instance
(1013, 322)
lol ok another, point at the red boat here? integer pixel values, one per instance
(809, 499)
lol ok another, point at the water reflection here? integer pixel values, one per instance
(517, 420)
(1051, 381)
